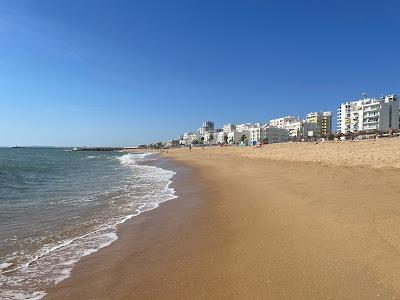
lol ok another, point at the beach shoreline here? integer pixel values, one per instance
(254, 228)
(132, 232)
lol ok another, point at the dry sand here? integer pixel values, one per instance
(375, 153)
(264, 228)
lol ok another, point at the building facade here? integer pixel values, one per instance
(220, 137)
(210, 138)
(235, 137)
(368, 114)
(290, 123)
(243, 127)
(188, 138)
(268, 133)
(323, 120)
(229, 127)
(206, 126)
(309, 130)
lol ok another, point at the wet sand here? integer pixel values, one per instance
(258, 229)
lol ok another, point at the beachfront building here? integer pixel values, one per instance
(207, 126)
(209, 138)
(309, 130)
(220, 137)
(294, 129)
(189, 138)
(323, 120)
(235, 137)
(243, 127)
(290, 123)
(281, 122)
(390, 98)
(368, 114)
(276, 135)
(174, 143)
(267, 133)
(229, 127)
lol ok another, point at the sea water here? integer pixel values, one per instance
(57, 206)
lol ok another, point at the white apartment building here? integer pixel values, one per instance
(188, 137)
(209, 138)
(243, 127)
(368, 114)
(280, 122)
(235, 136)
(290, 123)
(220, 137)
(229, 127)
(294, 128)
(270, 133)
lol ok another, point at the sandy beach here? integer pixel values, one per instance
(286, 221)
(372, 153)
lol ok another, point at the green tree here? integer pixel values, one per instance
(211, 138)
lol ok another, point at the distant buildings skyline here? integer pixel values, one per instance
(367, 114)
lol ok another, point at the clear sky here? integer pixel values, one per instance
(126, 72)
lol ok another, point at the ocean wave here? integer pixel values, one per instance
(53, 263)
(130, 159)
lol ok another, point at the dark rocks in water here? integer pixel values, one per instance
(101, 149)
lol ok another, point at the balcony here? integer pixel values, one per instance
(372, 108)
(371, 122)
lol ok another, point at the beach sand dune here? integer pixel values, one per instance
(275, 227)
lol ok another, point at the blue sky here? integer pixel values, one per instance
(128, 72)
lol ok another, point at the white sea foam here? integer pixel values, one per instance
(4, 266)
(22, 296)
(127, 159)
(130, 159)
(109, 238)
(50, 264)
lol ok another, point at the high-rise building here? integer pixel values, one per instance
(368, 114)
(323, 120)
